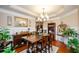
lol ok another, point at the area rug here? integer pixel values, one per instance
(54, 50)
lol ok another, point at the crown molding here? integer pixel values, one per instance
(66, 14)
(15, 13)
(18, 8)
(59, 12)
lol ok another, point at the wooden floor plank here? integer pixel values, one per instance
(62, 47)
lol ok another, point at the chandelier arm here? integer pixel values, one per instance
(43, 16)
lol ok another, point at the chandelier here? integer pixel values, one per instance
(43, 16)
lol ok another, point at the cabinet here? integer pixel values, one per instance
(17, 39)
(39, 27)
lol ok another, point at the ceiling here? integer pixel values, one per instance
(36, 10)
(39, 8)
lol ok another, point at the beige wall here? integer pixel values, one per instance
(3, 22)
(71, 19)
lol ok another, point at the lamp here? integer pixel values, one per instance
(43, 16)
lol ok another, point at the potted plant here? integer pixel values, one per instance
(73, 42)
(8, 50)
(4, 36)
(69, 32)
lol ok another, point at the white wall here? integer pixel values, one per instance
(71, 19)
(13, 30)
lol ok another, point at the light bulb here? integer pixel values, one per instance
(42, 16)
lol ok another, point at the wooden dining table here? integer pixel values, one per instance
(34, 38)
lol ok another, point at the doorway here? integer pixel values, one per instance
(52, 31)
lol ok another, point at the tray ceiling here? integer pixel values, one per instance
(36, 10)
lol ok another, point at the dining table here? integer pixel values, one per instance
(34, 39)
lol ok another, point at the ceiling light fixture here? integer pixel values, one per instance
(43, 17)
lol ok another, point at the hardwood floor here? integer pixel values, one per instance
(62, 47)
(21, 49)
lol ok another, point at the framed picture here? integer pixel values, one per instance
(29, 21)
(21, 22)
(9, 20)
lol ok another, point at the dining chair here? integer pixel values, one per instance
(31, 47)
(39, 46)
(49, 45)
